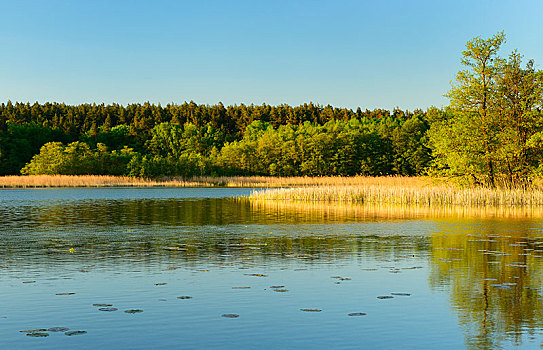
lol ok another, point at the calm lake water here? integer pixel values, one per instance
(194, 259)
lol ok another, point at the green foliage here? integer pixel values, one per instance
(490, 133)
(352, 147)
(18, 143)
(77, 158)
(190, 139)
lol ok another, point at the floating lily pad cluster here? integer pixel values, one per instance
(109, 308)
(493, 247)
(44, 332)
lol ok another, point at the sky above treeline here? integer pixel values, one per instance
(372, 54)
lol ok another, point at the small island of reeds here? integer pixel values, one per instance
(407, 191)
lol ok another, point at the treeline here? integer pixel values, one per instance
(189, 139)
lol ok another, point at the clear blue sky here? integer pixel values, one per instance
(373, 54)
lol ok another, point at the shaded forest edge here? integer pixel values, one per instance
(491, 134)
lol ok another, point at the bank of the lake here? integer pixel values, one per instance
(52, 181)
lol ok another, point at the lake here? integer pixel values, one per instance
(198, 268)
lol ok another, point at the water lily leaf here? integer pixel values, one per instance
(70, 333)
(102, 305)
(500, 286)
(58, 329)
(133, 311)
(184, 297)
(311, 310)
(69, 293)
(357, 314)
(230, 315)
(38, 334)
(108, 309)
(385, 297)
(33, 330)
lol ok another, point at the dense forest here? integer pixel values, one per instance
(189, 139)
(491, 133)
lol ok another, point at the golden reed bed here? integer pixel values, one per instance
(201, 181)
(405, 193)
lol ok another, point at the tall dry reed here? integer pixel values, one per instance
(407, 194)
(201, 181)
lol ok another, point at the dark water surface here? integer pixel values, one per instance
(211, 271)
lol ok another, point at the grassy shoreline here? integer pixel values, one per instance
(51, 181)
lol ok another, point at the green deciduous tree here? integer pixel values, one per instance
(488, 131)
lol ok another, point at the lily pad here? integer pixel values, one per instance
(161, 284)
(311, 310)
(385, 297)
(500, 286)
(230, 315)
(357, 314)
(108, 309)
(256, 275)
(241, 287)
(102, 305)
(133, 311)
(34, 330)
(70, 333)
(37, 334)
(276, 287)
(184, 297)
(280, 290)
(69, 293)
(29, 281)
(58, 329)
(401, 294)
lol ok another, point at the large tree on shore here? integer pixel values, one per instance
(487, 132)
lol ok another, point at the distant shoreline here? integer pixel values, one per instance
(59, 181)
